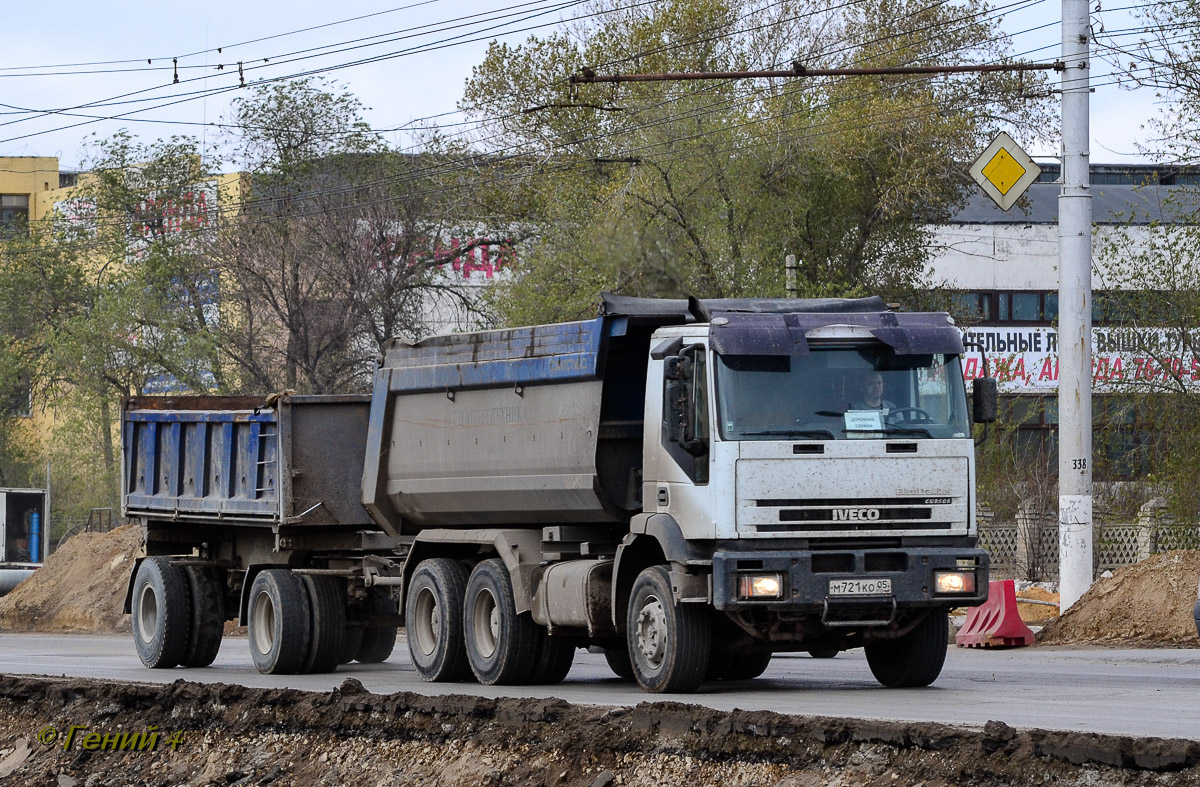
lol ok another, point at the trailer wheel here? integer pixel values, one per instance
(161, 613)
(668, 642)
(207, 593)
(433, 614)
(279, 625)
(501, 644)
(326, 601)
(915, 659)
(619, 662)
(825, 653)
(378, 642)
(553, 661)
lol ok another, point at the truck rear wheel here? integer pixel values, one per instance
(207, 593)
(668, 642)
(501, 644)
(555, 655)
(352, 639)
(378, 642)
(433, 615)
(161, 613)
(915, 659)
(619, 662)
(279, 626)
(327, 603)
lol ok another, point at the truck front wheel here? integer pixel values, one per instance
(501, 645)
(915, 659)
(162, 610)
(280, 623)
(433, 616)
(668, 642)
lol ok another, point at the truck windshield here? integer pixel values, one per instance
(843, 393)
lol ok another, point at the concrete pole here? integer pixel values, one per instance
(790, 270)
(1075, 314)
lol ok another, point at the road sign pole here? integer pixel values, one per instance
(1075, 314)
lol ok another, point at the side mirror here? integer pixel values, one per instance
(677, 411)
(673, 367)
(983, 400)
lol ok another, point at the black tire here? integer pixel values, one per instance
(352, 639)
(279, 624)
(327, 606)
(162, 613)
(824, 653)
(915, 659)
(748, 666)
(719, 662)
(553, 661)
(379, 642)
(501, 644)
(668, 642)
(433, 620)
(207, 591)
(619, 663)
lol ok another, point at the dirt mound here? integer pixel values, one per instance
(1146, 603)
(83, 732)
(80, 588)
(1036, 613)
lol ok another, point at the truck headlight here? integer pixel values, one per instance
(760, 586)
(953, 582)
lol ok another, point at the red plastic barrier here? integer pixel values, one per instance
(995, 624)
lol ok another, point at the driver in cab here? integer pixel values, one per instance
(871, 393)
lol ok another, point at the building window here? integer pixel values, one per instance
(14, 215)
(1032, 308)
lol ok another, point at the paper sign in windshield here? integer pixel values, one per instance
(864, 420)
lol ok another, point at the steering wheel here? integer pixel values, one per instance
(908, 415)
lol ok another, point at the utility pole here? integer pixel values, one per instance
(1075, 313)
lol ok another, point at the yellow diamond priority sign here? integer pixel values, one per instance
(1004, 171)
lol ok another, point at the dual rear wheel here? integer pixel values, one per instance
(297, 624)
(464, 624)
(178, 614)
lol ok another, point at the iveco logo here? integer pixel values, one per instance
(855, 514)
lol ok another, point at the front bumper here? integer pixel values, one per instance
(807, 576)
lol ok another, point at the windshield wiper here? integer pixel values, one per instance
(811, 433)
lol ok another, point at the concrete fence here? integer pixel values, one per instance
(1027, 548)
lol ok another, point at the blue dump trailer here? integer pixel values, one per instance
(690, 486)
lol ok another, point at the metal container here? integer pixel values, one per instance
(529, 426)
(296, 460)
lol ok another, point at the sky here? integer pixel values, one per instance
(422, 53)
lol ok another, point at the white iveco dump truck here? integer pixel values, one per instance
(691, 486)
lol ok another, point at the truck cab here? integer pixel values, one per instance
(827, 464)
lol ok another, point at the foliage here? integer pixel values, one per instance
(108, 296)
(340, 246)
(673, 188)
(1162, 56)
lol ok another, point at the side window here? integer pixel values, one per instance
(685, 427)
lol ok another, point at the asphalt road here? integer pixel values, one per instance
(1151, 693)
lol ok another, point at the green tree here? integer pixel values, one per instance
(111, 296)
(341, 243)
(703, 187)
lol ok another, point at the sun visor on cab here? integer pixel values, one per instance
(734, 333)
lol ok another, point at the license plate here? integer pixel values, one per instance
(860, 587)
